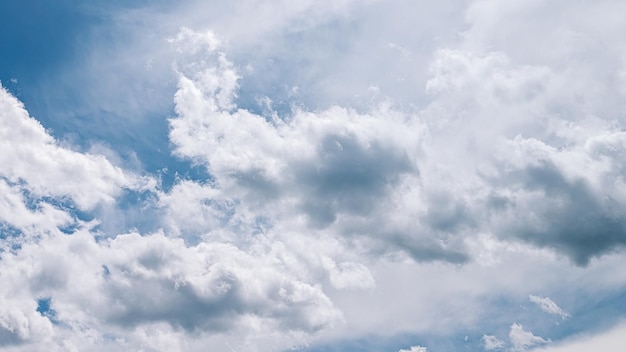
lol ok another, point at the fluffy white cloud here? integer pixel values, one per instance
(335, 170)
(133, 281)
(97, 288)
(19, 322)
(15, 212)
(30, 155)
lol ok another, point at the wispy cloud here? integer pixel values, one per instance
(547, 305)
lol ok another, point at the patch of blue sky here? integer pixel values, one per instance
(595, 311)
(38, 36)
(34, 202)
(105, 271)
(47, 49)
(8, 231)
(44, 307)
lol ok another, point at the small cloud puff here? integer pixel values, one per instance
(415, 349)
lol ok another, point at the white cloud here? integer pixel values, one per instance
(19, 323)
(133, 281)
(31, 155)
(348, 274)
(415, 349)
(522, 340)
(493, 136)
(492, 343)
(14, 211)
(547, 305)
(337, 169)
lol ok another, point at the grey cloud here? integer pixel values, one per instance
(430, 248)
(161, 300)
(355, 176)
(447, 213)
(153, 285)
(568, 216)
(347, 177)
(9, 335)
(263, 188)
(339, 169)
(183, 305)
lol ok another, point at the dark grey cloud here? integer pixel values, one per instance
(161, 300)
(347, 177)
(567, 216)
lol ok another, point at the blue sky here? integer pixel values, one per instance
(397, 176)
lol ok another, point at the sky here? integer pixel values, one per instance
(316, 176)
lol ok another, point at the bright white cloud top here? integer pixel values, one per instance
(314, 176)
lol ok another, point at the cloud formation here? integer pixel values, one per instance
(548, 306)
(32, 156)
(522, 340)
(338, 169)
(361, 182)
(491, 343)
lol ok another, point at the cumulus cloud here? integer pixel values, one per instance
(547, 305)
(540, 161)
(133, 281)
(336, 169)
(97, 286)
(341, 170)
(492, 135)
(30, 155)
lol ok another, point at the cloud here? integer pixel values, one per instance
(530, 158)
(492, 343)
(331, 168)
(32, 156)
(133, 281)
(548, 306)
(338, 169)
(343, 153)
(99, 285)
(415, 349)
(19, 323)
(522, 340)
